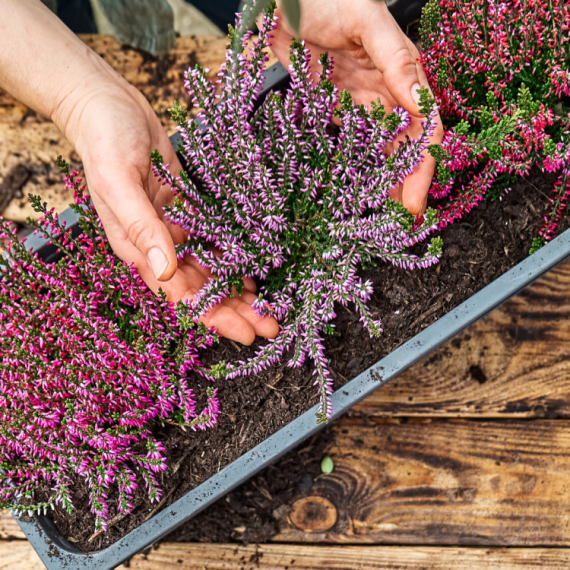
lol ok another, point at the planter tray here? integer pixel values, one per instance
(57, 553)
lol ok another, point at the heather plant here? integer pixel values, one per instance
(500, 72)
(90, 361)
(276, 191)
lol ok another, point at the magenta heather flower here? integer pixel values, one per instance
(290, 199)
(90, 361)
(500, 74)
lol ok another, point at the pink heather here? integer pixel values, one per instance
(499, 70)
(90, 361)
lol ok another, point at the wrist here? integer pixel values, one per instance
(94, 80)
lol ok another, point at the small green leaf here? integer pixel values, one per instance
(327, 465)
(537, 243)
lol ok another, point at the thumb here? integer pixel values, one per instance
(130, 218)
(395, 57)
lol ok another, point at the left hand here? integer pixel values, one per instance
(114, 130)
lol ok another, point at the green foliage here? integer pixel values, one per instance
(219, 370)
(537, 243)
(436, 246)
(378, 112)
(407, 220)
(179, 114)
(430, 22)
(427, 102)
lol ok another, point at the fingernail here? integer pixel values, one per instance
(415, 93)
(157, 261)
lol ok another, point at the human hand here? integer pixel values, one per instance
(114, 130)
(372, 58)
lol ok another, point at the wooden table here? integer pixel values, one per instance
(463, 462)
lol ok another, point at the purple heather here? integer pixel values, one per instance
(292, 200)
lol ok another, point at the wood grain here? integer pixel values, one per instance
(289, 557)
(503, 483)
(21, 556)
(515, 363)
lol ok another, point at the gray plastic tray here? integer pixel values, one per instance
(57, 553)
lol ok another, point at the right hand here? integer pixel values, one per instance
(372, 58)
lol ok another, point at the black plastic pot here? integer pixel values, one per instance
(406, 12)
(57, 553)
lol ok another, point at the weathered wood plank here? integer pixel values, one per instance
(292, 556)
(19, 555)
(504, 483)
(35, 147)
(513, 364)
(9, 528)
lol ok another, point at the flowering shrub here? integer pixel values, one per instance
(288, 198)
(90, 359)
(500, 73)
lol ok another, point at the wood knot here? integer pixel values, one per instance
(313, 514)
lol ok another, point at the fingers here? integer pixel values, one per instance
(390, 52)
(124, 197)
(416, 186)
(249, 285)
(234, 318)
(396, 58)
(266, 327)
(230, 324)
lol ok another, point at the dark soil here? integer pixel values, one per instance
(491, 240)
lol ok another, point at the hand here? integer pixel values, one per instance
(114, 130)
(372, 58)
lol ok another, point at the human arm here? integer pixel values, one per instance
(114, 129)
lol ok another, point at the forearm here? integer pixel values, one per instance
(44, 65)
